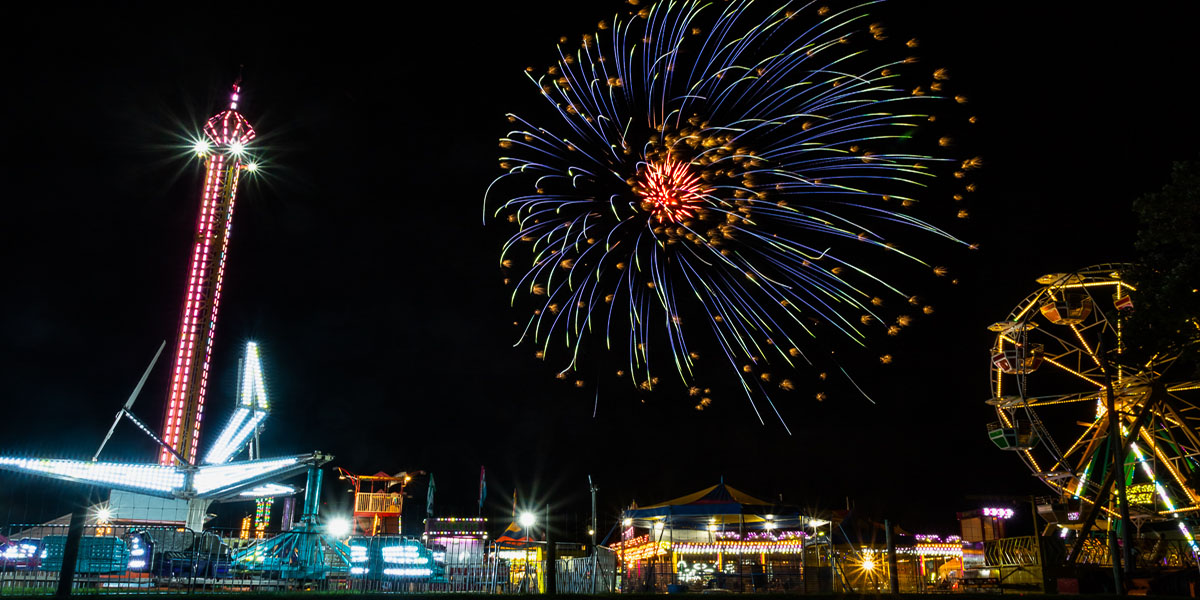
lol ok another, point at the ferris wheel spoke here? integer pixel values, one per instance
(1162, 457)
(1082, 497)
(1087, 349)
(1172, 408)
(1067, 346)
(1180, 418)
(1088, 462)
(1180, 510)
(1175, 388)
(1033, 461)
(1044, 434)
(1090, 434)
(1154, 359)
(1030, 302)
(1162, 490)
(1075, 373)
(1054, 400)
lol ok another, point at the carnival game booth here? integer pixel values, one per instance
(718, 538)
(460, 543)
(924, 563)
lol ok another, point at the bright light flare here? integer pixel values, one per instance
(338, 527)
(526, 519)
(237, 148)
(201, 147)
(251, 167)
(868, 565)
(101, 514)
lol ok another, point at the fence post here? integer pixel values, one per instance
(70, 553)
(551, 558)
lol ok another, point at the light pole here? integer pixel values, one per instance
(526, 521)
(592, 530)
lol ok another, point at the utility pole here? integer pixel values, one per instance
(595, 556)
(551, 558)
(593, 489)
(893, 574)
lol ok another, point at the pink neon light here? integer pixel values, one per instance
(185, 405)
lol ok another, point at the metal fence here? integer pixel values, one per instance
(173, 560)
(152, 559)
(594, 574)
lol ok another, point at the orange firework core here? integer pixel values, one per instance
(670, 191)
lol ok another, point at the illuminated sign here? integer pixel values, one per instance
(1141, 494)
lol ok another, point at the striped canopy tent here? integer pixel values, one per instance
(515, 536)
(719, 505)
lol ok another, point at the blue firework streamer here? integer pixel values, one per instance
(717, 171)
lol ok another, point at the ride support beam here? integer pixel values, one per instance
(1107, 484)
(1176, 411)
(66, 574)
(1121, 571)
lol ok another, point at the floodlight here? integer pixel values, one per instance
(338, 527)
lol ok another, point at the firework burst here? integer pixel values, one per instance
(717, 172)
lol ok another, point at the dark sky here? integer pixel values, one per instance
(360, 264)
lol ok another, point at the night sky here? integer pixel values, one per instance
(360, 264)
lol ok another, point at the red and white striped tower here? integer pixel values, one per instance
(223, 152)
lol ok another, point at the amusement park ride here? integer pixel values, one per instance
(1089, 417)
(159, 501)
(176, 487)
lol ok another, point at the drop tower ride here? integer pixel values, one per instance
(187, 487)
(223, 152)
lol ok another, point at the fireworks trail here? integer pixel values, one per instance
(718, 171)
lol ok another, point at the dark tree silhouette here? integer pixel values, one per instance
(1166, 319)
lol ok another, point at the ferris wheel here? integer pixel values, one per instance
(1058, 363)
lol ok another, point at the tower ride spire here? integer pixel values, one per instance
(227, 133)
